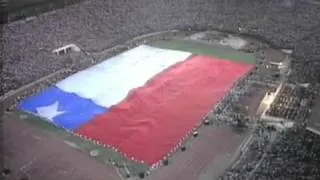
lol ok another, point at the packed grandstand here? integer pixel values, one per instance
(162, 90)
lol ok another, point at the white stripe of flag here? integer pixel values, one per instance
(109, 82)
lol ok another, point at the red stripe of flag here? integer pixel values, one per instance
(153, 119)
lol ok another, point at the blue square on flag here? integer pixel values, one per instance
(66, 110)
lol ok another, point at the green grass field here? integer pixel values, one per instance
(207, 50)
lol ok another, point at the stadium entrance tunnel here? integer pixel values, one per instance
(165, 100)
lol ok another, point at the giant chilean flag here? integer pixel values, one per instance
(142, 102)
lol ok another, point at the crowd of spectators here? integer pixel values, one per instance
(227, 110)
(305, 71)
(246, 165)
(306, 64)
(28, 44)
(95, 25)
(294, 154)
(292, 103)
(290, 154)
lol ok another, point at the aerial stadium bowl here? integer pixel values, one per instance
(200, 82)
(189, 155)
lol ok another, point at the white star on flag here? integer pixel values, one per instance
(50, 111)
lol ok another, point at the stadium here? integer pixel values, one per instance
(161, 90)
